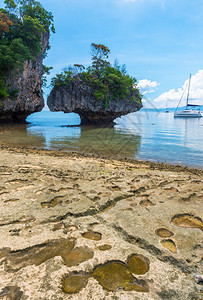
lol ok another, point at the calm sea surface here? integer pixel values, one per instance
(142, 135)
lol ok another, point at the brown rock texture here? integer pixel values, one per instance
(28, 86)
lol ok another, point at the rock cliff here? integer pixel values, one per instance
(27, 88)
(78, 97)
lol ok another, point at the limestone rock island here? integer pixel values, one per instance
(28, 86)
(99, 94)
(24, 40)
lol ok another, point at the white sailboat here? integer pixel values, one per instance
(166, 109)
(189, 112)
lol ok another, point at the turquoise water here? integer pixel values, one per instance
(142, 135)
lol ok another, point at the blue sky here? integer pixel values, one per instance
(160, 41)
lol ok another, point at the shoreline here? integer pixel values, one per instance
(167, 161)
(69, 153)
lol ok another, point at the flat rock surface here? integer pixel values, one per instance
(76, 227)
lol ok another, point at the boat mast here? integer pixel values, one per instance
(188, 92)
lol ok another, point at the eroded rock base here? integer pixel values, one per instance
(12, 118)
(105, 119)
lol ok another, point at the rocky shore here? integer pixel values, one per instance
(76, 226)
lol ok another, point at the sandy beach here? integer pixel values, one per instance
(76, 226)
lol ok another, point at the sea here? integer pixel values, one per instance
(144, 135)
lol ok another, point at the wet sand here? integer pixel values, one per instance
(80, 226)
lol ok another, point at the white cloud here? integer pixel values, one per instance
(173, 96)
(145, 83)
(148, 92)
(147, 86)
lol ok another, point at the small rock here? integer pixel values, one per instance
(11, 293)
(199, 279)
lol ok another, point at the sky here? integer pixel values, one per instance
(160, 41)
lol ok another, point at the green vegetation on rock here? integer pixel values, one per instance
(106, 81)
(22, 24)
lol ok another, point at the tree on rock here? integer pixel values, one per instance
(104, 82)
(99, 53)
(99, 94)
(5, 24)
(22, 26)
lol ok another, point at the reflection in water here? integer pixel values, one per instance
(57, 137)
(189, 125)
(48, 131)
(105, 141)
(18, 135)
(109, 141)
(148, 136)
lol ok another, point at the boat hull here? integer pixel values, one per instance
(187, 115)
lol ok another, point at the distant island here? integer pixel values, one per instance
(99, 93)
